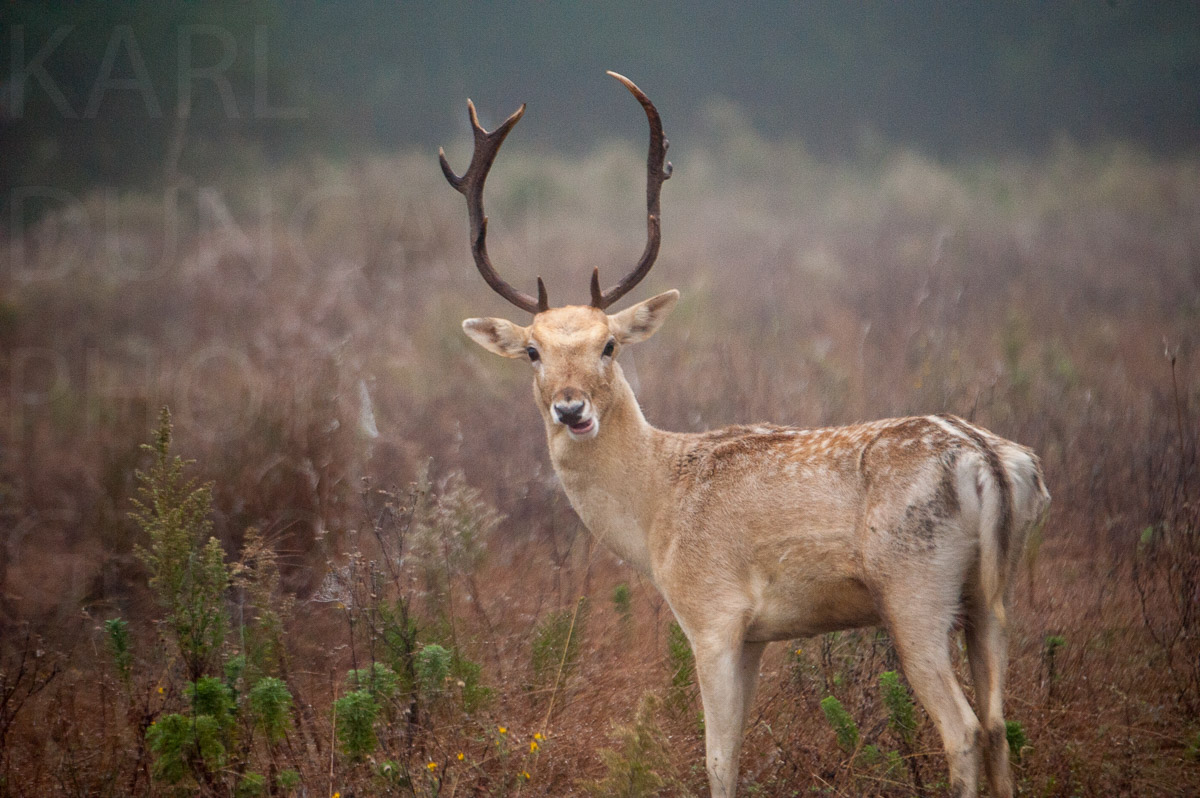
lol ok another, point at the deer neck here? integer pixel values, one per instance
(616, 480)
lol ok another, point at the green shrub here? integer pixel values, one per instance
(893, 765)
(187, 567)
(902, 714)
(288, 780)
(432, 665)
(469, 674)
(398, 633)
(270, 703)
(1017, 741)
(235, 669)
(682, 666)
(378, 680)
(212, 697)
(116, 642)
(181, 743)
(190, 579)
(843, 725)
(250, 785)
(622, 599)
(355, 714)
(194, 744)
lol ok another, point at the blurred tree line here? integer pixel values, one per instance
(89, 91)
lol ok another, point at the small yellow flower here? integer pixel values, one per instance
(538, 737)
(432, 766)
(337, 795)
(461, 756)
(502, 730)
(799, 651)
(525, 775)
(160, 690)
(533, 746)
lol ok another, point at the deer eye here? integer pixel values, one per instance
(533, 354)
(609, 347)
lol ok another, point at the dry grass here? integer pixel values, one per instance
(304, 329)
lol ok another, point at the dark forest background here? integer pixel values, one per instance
(88, 91)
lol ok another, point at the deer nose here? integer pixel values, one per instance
(569, 413)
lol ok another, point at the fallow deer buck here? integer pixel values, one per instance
(762, 533)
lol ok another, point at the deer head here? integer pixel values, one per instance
(578, 383)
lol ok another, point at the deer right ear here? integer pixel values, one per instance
(497, 335)
(643, 319)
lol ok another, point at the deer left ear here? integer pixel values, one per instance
(497, 335)
(643, 319)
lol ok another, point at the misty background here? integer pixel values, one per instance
(877, 209)
(88, 91)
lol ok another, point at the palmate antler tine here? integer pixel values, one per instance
(658, 169)
(470, 185)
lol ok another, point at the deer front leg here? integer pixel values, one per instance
(727, 674)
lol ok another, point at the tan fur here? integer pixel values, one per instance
(761, 533)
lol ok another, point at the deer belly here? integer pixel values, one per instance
(786, 608)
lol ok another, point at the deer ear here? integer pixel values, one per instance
(643, 319)
(497, 335)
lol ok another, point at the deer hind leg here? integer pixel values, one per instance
(922, 637)
(727, 675)
(987, 651)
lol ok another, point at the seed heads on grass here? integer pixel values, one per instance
(640, 766)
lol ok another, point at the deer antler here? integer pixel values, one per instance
(658, 169)
(470, 185)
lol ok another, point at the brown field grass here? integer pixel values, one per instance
(304, 328)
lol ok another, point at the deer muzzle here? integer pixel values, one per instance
(573, 410)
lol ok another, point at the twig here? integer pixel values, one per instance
(1172, 356)
(561, 663)
(332, 733)
(545, 730)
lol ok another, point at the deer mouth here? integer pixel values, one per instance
(582, 429)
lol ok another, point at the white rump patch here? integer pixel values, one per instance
(948, 427)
